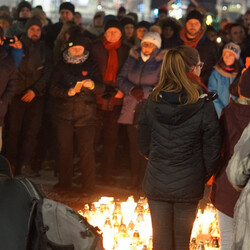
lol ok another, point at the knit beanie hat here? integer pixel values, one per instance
(152, 37)
(33, 21)
(234, 48)
(23, 4)
(195, 14)
(77, 39)
(67, 6)
(113, 23)
(143, 24)
(127, 20)
(244, 83)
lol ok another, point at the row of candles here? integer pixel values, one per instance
(127, 225)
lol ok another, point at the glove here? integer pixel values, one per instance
(137, 92)
(109, 93)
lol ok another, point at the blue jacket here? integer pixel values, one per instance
(219, 83)
(136, 72)
(17, 54)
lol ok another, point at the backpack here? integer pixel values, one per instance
(55, 226)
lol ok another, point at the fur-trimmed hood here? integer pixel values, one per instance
(224, 73)
(157, 54)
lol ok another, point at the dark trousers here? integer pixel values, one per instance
(84, 136)
(23, 125)
(138, 162)
(172, 224)
(108, 131)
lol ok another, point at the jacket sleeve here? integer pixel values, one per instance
(144, 132)
(213, 85)
(211, 139)
(210, 60)
(17, 55)
(56, 89)
(39, 87)
(122, 79)
(96, 77)
(238, 169)
(11, 86)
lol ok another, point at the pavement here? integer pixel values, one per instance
(117, 190)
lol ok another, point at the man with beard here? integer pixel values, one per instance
(193, 35)
(25, 111)
(18, 26)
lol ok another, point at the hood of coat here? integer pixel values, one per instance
(224, 73)
(168, 109)
(157, 54)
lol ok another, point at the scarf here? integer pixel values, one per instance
(68, 58)
(191, 42)
(144, 57)
(112, 64)
(228, 69)
(197, 80)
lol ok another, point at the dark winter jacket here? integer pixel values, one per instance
(100, 56)
(80, 110)
(208, 54)
(182, 144)
(136, 72)
(35, 67)
(51, 32)
(8, 81)
(234, 119)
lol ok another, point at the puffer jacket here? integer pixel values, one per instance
(238, 172)
(219, 82)
(80, 110)
(182, 143)
(137, 73)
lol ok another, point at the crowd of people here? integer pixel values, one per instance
(70, 92)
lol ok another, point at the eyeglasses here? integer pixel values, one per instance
(201, 64)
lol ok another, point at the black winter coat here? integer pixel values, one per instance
(51, 32)
(100, 56)
(35, 68)
(182, 144)
(80, 110)
(8, 82)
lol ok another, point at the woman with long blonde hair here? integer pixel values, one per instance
(179, 134)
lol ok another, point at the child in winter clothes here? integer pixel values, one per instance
(224, 74)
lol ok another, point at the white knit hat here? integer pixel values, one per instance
(152, 37)
(234, 48)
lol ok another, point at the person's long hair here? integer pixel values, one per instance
(177, 64)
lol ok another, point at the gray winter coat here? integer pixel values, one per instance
(238, 173)
(135, 72)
